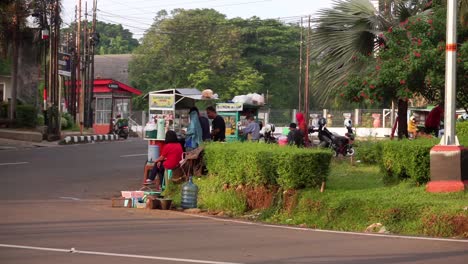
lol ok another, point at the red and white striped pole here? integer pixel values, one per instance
(450, 74)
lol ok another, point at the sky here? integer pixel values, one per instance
(137, 15)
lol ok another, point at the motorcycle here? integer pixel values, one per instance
(120, 128)
(267, 134)
(339, 144)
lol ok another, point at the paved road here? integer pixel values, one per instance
(56, 198)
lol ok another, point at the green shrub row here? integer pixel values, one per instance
(263, 164)
(399, 159)
(26, 116)
(462, 129)
(3, 110)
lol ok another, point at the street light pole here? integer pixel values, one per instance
(449, 137)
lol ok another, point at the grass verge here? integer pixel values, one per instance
(355, 197)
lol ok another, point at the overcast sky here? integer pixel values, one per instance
(137, 15)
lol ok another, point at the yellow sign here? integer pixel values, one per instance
(161, 101)
(229, 107)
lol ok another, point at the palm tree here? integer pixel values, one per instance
(353, 28)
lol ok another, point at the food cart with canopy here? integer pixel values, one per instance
(234, 115)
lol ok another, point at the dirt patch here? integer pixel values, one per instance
(460, 225)
(290, 200)
(260, 197)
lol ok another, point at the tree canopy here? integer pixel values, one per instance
(201, 48)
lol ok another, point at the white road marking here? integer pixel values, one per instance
(133, 155)
(13, 163)
(70, 198)
(74, 251)
(327, 231)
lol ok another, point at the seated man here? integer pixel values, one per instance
(295, 136)
(252, 130)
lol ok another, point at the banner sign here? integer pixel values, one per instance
(229, 107)
(161, 101)
(64, 61)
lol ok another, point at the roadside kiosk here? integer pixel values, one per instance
(234, 115)
(168, 110)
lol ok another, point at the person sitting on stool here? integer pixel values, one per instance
(169, 159)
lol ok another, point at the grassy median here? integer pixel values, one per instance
(355, 197)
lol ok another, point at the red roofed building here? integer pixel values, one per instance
(111, 98)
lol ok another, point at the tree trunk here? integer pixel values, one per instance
(402, 119)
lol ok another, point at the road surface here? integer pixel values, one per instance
(55, 208)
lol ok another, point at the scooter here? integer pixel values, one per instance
(339, 144)
(267, 134)
(120, 128)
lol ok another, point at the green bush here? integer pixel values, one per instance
(26, 116)
(369, 152)
(3, 110)
(462, 129)
(68, 123)
(407, 159)
(263, 164)
(63, 123)
(300, 168)
(40, 120)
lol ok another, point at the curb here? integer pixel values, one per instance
(88, 139)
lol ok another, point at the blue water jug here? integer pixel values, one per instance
(189, 194)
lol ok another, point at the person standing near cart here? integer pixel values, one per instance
(252, 130)
(218, 126)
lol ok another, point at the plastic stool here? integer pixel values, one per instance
(166, 179)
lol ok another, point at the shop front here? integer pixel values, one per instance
(111, 98)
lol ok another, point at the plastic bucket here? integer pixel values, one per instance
(283, 141)
(153, 152)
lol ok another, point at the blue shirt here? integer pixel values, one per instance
(254, 129)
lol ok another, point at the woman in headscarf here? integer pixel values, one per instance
(194, 134)
(302, 126)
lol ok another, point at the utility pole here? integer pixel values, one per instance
(81, 95)
(93, 41)
(300, 71)
(306, 79)
(84, 81)
(73, 71)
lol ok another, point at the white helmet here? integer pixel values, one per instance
(348, 122)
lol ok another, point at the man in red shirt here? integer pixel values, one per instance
(169, 159)
(432, 123)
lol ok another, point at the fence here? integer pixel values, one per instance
(371, 118)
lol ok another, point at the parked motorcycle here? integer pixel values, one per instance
(339, 144)
(267, 134)
(120, 128)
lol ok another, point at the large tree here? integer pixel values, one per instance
(193, 48)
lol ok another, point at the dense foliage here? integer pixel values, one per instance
(26, 116)
(201, 48)
(262, 164)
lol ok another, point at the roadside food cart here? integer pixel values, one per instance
(169, 110)
(234, 115)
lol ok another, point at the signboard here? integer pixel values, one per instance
(229, 107)
(161, 101)
(64, 61)
(113, 86)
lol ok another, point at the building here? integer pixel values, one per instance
(111, 98)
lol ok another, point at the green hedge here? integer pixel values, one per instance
(369, 152)
(407, 159)
(264, 164)
(3, 110)
(462, 129)
(26, 116)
